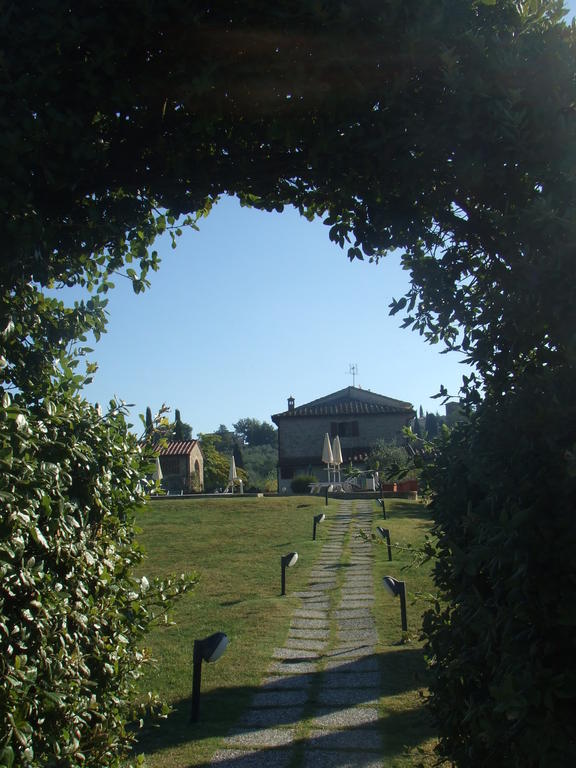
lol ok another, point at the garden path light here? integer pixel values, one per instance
(398, 589)
(385, 533)
(317, 519)
(383, 505)
(287, 561)
(209, 649)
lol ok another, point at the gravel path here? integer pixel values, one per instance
(318, 706)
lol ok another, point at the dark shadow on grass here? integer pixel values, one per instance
(219, 710)
(224, 708)
(402, 670)
(392, 736)
(408, 511)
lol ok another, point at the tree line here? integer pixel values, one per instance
(252, 443)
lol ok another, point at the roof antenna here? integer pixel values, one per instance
(353, 371)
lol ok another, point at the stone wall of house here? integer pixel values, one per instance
(197, 457)
(304, 436)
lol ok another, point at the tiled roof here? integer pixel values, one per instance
(342, 409)
(177, 448)
(351, 401)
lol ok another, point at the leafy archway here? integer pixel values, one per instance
(445, 129)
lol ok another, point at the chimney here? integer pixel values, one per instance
(290, 404)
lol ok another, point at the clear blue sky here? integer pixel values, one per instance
(252, 309)
(257, 307)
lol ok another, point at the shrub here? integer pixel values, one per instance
(501, 640)
(72, 616)
(271, 484)
(301, 483)
(391, 461)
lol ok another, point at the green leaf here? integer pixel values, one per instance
(7, 758)
(39, 538)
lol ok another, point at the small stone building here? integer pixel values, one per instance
(359, 417)
(182, 466)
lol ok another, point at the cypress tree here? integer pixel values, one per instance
(417, 431)
(149, 422)
(431, 425)
(178, 428)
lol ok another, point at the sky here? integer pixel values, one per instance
(252, 309)
(257, 307)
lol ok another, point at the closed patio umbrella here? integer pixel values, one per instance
(327, 457)
(232, 476)
(337, 454)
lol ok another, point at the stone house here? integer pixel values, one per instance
(359, 417)
(182, 465)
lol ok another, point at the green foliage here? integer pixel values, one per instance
(238, 456)
(254, 456)
(227, 441)
(431, 426)
(253, 432)
(301, 483)
(260, 464)
(148, 422)
(72, 616)
(159, 429)
(416, 428)
(271, 483)
(216, 464)
(445, 129)
(181, 430)
(435, 148)
(178, 426)
(390, 461)
(503, 640)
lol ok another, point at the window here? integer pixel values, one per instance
(344, 429)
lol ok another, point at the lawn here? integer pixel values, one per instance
(407, 731)
(235, 545)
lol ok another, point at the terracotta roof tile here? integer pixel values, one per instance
(178, 448)
(343, 409)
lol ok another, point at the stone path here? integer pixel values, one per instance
(318, 707)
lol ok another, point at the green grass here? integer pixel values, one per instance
(407, 729)
(236, 545)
